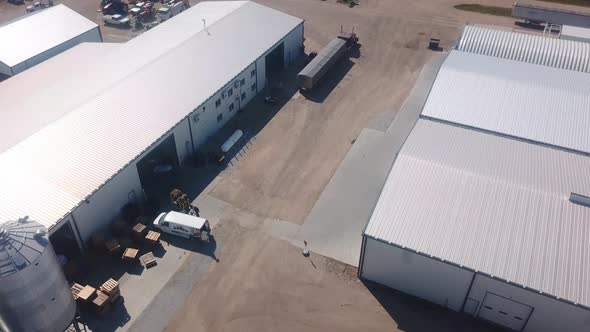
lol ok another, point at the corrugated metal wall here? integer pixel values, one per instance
(537, 49)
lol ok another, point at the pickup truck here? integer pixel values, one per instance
(37, 6)
(170, 9)
(116, 20)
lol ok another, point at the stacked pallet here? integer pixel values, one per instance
(101, 303)
(148, 260)
(152, 238)
(111, 288)
(130, 254)
(82, 293)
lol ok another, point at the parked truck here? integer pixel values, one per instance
(540, 14)
(309, 76)
(170, 9)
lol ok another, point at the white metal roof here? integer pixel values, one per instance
(532, 102)
(491, 204)
(40, 31)
(66, 161)
(577, 33)
(525, 47)
(46, 92)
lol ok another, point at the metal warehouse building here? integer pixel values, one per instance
(36, 37)
(80, 142)
(486, 210)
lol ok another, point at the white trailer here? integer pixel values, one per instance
(540, 14)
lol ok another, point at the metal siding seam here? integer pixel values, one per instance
(541, 50)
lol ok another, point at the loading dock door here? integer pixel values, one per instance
(505, 312)
(275, 60)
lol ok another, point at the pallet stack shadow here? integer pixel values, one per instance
(99, 300)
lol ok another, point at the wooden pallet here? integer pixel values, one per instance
(76, 289)
(139, 229)
(148, 260)
(130, 254)
(101, 299)
(110, 287)
(83, 293)
(152, 237)
(101, 303)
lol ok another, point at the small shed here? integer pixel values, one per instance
(36, 37)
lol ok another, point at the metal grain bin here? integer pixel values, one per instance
(34, 294)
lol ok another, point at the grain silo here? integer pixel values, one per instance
(34, 294)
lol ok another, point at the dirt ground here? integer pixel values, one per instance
(265, 284)
(273, 285)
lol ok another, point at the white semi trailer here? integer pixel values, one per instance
(540, 14)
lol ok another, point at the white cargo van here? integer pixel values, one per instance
(184, 225)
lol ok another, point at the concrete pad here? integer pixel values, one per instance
(162, 308)
(139, 286)
(334, 226)
(283, 230)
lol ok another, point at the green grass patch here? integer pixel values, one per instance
(581, 3)
(491, 10)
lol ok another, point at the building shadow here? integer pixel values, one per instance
(193, 245)
(200, 170)
(117, 317)
(530, 26)
(417, 315)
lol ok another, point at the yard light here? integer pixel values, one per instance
(305, 251)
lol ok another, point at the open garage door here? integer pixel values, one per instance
(158, 168)
(505, 312)
(275, 60)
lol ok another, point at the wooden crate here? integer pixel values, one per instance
(139, 229)
(111, 287)
(101, 303)
(76, 289)
(152, 237)
(148, 260)
(130, 254)
(86, 293)
(101, 299)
